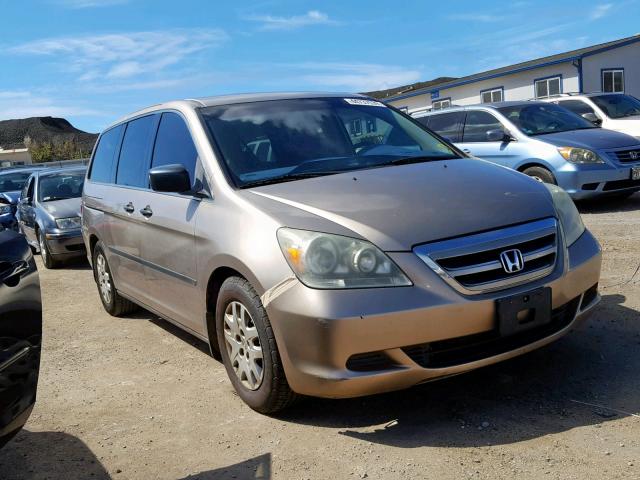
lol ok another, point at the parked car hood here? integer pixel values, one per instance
(63, 208)
(13, 197)
(398, 207)
(592, 138)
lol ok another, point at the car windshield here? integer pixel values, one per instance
(60, 186)
(617, 106)
(539, 119)
(13, 181)
(280, 140)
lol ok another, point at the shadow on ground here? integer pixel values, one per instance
(61, 456)
(610, 204)
(528, 397)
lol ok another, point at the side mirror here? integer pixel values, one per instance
(170, 178)
(498, 135)
(592, 117)
(4, 200)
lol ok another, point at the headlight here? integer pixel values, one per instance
(5, 209)
(68, 223)
(321, 260)
(579, 155)
(568, 214)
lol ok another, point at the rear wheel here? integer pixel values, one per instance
(47, 259)
(540, 174)
(112, 301)
(248, 348)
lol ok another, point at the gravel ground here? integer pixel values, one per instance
(134, 398)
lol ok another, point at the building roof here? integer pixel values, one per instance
(529, 65)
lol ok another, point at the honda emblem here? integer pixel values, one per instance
(512, 260)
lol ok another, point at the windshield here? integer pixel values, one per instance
(279, 140)
(539, 119)
(617, 106)
(14, 181)
(60, 186)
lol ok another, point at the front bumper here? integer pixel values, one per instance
(67, 243)
(8, 220)
(588, 181)
(324, 335)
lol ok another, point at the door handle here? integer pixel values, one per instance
(129, 208)
(146, 211)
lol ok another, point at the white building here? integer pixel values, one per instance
(608, 67)
(16, 156)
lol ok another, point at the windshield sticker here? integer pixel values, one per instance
(363, 102)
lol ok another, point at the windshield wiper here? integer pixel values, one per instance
(289, 176)
(419, 159)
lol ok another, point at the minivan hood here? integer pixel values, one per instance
(398, 207)
(63, 208)
(591, 138)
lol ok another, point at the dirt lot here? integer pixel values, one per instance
(134, 398)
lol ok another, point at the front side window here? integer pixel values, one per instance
(617, 106)
(477, 124)
(490, 96)
(548, 87)
(440, 104)
(13, 182)
(103, 159)
(539, 119)
(613, 81)
(133, 166)
(174, 144)
(60, 186)
(446, 125)
(280, 140)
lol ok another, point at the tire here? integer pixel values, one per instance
(45, 254)
(268, 392)
(112, 301)
(541, 174)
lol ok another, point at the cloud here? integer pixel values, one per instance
(600, 11)
(22, 104)
(89, 3)
(352, 77)
(122, 55)
(476, 17)
(271, 22)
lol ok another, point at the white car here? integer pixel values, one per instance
(614, 111)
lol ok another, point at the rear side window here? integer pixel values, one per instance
(447, 125)
(576, 106)
(133, 165)
(477, 125)
(174, 144)
(102, 165)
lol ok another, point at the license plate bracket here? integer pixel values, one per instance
(635, 173)
(524, 311)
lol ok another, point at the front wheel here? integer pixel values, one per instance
(540, 174)
(47, 259)
(248, 348)
(112, 301)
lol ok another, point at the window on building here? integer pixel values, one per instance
(613, 81)
(477, 124)
(548, 87)
(493, 95)
(440, 104)
(446, 125)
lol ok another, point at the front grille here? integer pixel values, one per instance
(628, 156)
(620, 184)
(457, 351)
(472, 264)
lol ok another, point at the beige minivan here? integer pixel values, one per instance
(329, 245)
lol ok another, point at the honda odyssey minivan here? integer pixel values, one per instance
(329, 245)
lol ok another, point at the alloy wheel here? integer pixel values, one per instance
(103, 277)
(43, 247)
(243, 345)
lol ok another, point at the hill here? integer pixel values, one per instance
(383, 94)
(25, 132)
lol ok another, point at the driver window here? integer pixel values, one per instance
(477, 125)
(27, 193)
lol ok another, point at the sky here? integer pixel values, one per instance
(93, 61)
